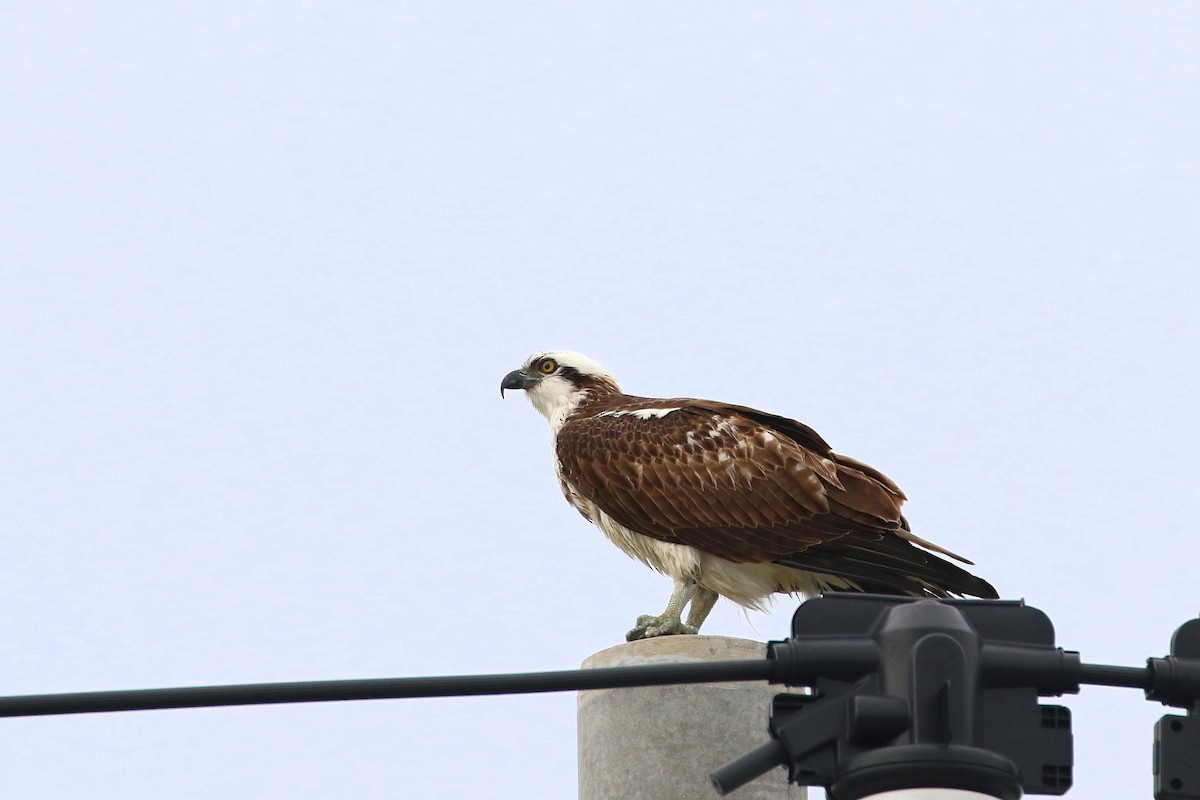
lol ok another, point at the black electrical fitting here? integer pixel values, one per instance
(941, 694)
(1175, 681)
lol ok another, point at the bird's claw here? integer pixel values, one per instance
(649, 626)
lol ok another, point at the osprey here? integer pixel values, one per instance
(727, 500)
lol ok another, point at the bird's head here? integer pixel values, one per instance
(557, 382)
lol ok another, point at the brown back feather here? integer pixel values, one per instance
(749, 487)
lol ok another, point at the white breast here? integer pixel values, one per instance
(676, 560)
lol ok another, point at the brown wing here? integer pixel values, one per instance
(710, 477)
(748, 487)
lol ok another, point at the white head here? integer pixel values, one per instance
(557, 382)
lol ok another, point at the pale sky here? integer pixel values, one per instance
(264, 264)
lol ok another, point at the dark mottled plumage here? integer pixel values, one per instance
(781, 495)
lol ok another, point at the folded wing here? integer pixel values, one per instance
(751, 487)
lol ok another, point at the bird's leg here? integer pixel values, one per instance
(668, 622)
(702, 603)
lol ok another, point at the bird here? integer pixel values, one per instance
(726, 500)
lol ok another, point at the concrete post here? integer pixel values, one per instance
(661, 742)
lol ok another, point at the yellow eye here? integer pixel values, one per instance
(548, 365)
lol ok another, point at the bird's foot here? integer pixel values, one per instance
(649, 626)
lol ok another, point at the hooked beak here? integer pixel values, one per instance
(516, 380)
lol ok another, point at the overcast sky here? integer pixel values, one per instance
(264, 264)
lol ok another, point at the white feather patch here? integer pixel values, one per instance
(641, 413)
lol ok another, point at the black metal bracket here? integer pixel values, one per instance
(940, 693)
(1175, 681)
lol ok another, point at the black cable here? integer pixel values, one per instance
(385, 688)
(1105, 675)
(447, 686)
